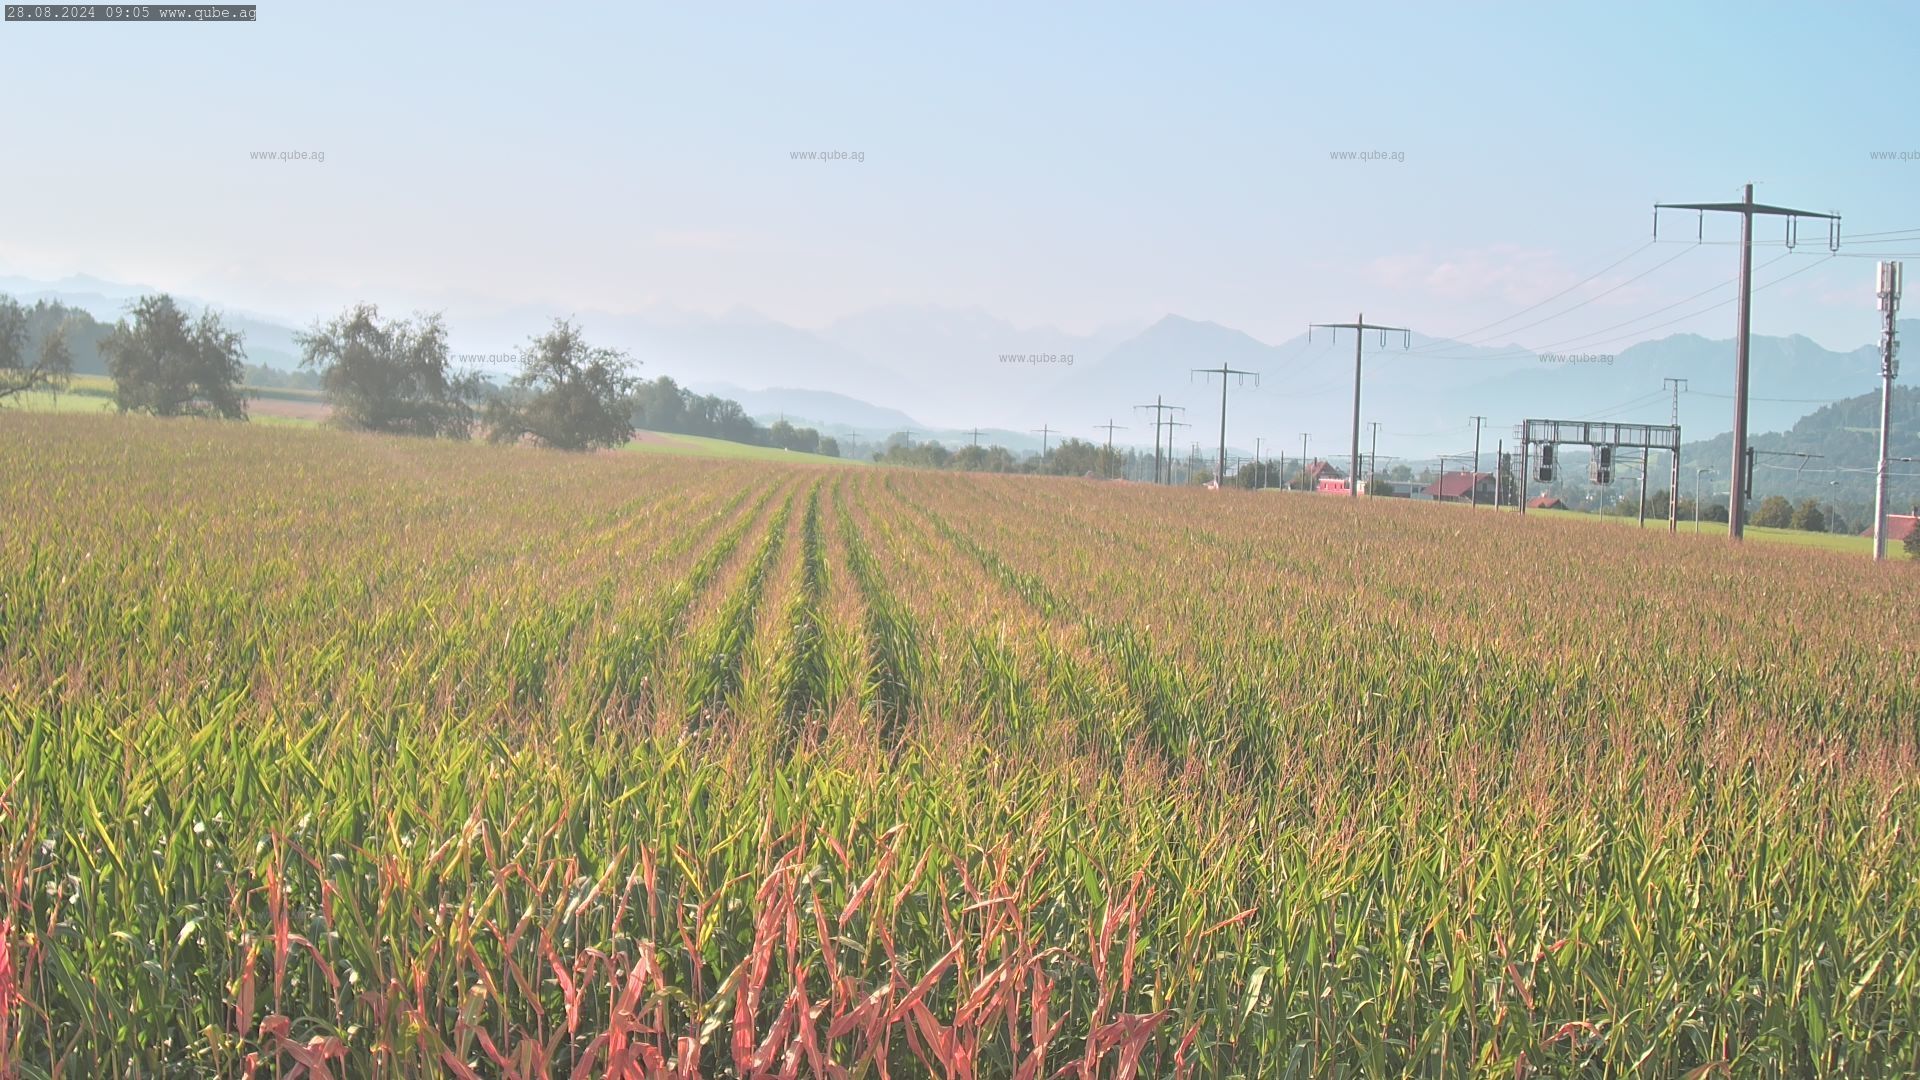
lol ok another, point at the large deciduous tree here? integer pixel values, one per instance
(22, 367)
(390, 376)
(1775, 512)
(569, 395)
(166, 364)
(1808, 518)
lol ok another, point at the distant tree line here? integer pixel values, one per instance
(1773, 512)
(35, 355)
(385, 375)
(666, 406)
(1070, 457)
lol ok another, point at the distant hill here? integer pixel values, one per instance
(951, 358)
(936, 372)
(89, 317)
(1424, 395)
(819, 408)
(1847, 436)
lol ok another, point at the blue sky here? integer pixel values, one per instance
(1074, 165)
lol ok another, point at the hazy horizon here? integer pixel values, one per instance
(1079, 169)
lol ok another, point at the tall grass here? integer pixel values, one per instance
(327, 755)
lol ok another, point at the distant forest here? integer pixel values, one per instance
(663, 405)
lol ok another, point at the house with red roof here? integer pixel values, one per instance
(1545, 502)
(1899, 527)
(1323, 470)
(1460, 487)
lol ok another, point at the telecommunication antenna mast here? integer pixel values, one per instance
(1889, 292)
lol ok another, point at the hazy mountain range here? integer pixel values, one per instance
(938, 372)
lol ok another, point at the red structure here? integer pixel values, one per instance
(1458, 487)
(1899, 527)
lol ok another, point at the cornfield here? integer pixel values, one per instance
(324, 755)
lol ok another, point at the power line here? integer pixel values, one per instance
(1851, 237)
(1784, 400)
(1608, 292)
(1656, 311)
(1862, 237)
(1428, 434)
(1626, 406)
(1657, 326)
(1886, 240)
(1461, 337)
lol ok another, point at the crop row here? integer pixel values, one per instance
(376, 757)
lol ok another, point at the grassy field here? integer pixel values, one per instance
(354, 756)
(1850, 545)
(270, 405)
(94, 394)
